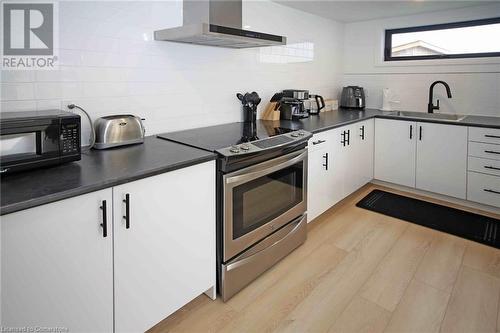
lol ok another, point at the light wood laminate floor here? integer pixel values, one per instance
(361, 271)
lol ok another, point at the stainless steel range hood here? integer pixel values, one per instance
(216, 23)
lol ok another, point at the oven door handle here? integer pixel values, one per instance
(247, 176)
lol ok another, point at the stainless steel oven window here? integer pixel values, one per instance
(257, 226)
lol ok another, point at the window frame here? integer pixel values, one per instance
(389, 32)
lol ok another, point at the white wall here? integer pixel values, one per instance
(475, 83)
(110, 64)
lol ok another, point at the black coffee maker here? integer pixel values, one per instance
(292, 108)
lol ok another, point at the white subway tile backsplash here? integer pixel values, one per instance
(110, 64)
(17, 91)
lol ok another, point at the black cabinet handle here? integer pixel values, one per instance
(343, 141)
(127, 211)
(491, 167)
(348, 137)
(362, 132)
(411, 132)
(492, 136)
(104, 223)
(318, 142)
(326, 161)
(491, 191)
(492, 152)
(420, 133)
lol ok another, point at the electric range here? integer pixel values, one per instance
(261, 196)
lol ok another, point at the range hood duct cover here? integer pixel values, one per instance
(216, 23)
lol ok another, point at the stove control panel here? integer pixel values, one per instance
(265, 144)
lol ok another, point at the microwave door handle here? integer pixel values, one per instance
(265, 171)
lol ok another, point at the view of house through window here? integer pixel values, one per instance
(454, 40)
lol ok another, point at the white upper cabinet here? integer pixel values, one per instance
(57, 266)
(166, 256)
(395, 151)
(442, 159)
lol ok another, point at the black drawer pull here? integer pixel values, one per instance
(491, 167)
(491, 191)
(492, 152)
(326, 161)
(318, 142)
(420, 133)
(492, 136)
(104, 223)
(127, 211)
(348, 137)
(343, 141)
(362, 132)
(411, 132)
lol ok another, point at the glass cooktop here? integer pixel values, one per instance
(226, 135)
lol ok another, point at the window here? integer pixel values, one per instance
(471, 39)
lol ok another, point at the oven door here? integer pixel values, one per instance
(260, 199)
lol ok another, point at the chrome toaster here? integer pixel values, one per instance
(118, 130)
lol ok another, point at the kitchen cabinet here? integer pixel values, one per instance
(483, 176)
(428, 156)
(77, 263)
(57, 265)
(441, 160)
(363, 149)
(340, 162)
(395, 151)
(164, 244)
(319, 175)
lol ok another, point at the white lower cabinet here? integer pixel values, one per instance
(428, 156)
(395, 151)
(340, 162)
(442, 159)
(319, 177)
(166, 256)
(57, 266)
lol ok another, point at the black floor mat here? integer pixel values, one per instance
(457, 222)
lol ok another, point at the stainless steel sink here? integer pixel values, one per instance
(422, 115)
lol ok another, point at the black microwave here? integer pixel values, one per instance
(34, 139)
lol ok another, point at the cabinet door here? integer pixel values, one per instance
(166, 256)
(318, 177)
(395, 148)
(442, 159)
(341, 175)
(363, 147)
(57, 268)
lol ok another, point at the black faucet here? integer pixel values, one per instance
(430, 106)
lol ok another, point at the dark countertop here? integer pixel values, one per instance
(329, 120)
(98, 169)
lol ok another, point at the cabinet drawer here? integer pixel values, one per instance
(483, 188)
(484, 165)
(320, 140)
(484, 150)
(488, 135)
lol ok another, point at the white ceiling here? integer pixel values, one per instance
(352, 11)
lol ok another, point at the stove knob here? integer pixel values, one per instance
(295, 135)
(234, 149)
(301, 133)
(245, 147)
